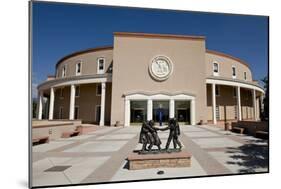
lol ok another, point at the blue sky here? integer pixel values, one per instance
(60, 29)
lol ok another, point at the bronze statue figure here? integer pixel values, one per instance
(156, 140)
(174, 133)
(148, 135)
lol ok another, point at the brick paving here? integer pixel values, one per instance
(100, 156)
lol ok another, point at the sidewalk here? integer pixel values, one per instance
(100, 156)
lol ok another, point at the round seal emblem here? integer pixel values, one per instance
(160, 68)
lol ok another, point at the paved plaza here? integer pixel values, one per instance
(100, 156)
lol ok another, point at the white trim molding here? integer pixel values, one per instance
(234, 83)
(76, 68)
(218, 72)
(158, 96)
(76, 80)
(235, 72)
(100, 71)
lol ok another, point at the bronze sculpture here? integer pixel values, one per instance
(148, 135)
(173, 135)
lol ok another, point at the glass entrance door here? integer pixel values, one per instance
(182, 111)
(161, 111)
(138, 111)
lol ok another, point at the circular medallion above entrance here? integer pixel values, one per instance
(160, 68)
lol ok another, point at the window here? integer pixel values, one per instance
(76, 112)
(100, 64)
(233, 72)
(216, 69)
(234, 92)
(78, 68)
(61, 92)
(63, 71)
(61, 113)
(245, 75)
(217, 90)
(77, 91)
(98, 90)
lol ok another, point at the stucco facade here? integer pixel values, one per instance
(116, 84)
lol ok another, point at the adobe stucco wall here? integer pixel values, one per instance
(89, 63)
(225, 67)
(132, 56)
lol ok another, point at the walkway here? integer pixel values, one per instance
(100, 156)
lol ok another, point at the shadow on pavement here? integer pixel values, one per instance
(250, 156)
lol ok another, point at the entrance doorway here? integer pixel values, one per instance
(161, 111)
(182, 111)
(138, 111)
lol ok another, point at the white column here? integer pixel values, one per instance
(261, 102)
(149, 109)
(254, 104)
(72, 102)
(192, 112)
(102, 109)
(214, 103)
(40, 105)
(127, 113)
(238, 104)
(172, 108)
(51, 106)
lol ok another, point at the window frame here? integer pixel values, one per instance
(245, 76)
(235, 71)
(99, 71)
(63, 74)
(76, 68)
(218, 68)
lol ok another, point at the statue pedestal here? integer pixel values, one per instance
(147, 161)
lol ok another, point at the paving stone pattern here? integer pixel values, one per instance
(100, 156)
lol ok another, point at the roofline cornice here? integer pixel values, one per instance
(153, 35)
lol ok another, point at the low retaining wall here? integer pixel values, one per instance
(251, 126)
(147, 161)
(53, 129)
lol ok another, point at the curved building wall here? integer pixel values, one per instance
(225, 67)
(192, 67)
(88, 60)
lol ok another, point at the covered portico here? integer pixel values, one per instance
(150, 98)
(49, 87)
(257, 95)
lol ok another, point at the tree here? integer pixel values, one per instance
(265, 113)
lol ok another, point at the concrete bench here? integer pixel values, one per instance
(238, 130)
(70, 134)
(262, 134)
(40, 140)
